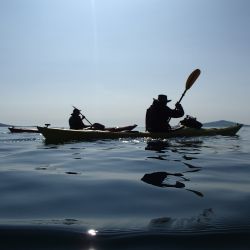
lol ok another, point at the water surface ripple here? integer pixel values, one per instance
(133, 194)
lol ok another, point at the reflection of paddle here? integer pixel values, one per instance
(83, 116)
(196, 192)
(190, 81)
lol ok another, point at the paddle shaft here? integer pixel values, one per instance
(182, 95)
(86, 119)
(178, 102)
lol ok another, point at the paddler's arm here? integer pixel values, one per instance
(178, 111)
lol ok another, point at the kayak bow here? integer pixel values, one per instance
(23, 130)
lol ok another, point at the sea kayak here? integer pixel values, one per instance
(62, 135)
(35, 130)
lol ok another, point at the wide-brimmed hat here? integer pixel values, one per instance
(163, 99)
(76, 111)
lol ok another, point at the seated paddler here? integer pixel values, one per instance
(76, 120)
(159, 114)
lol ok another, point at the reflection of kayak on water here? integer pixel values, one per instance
(58, 134)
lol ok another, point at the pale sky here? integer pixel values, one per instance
(110, 58)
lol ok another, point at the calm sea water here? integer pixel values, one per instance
(131, 194)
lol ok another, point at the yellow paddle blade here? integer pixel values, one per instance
(192, 78)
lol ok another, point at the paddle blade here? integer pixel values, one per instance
(192, 78)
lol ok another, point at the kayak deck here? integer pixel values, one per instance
(61, 135)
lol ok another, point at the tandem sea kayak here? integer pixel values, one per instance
(63, 135)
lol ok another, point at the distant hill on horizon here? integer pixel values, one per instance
(220, 123)
(4, 125)
(8, 125)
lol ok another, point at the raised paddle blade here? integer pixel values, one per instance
(192, 78)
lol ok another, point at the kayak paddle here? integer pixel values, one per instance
(190, 81)
(83, 116)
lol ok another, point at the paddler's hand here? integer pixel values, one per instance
(83, 117)
(178, 105)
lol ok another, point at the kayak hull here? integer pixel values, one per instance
(63, 135)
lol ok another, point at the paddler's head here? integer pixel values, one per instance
(163, 99)
(76, 112)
